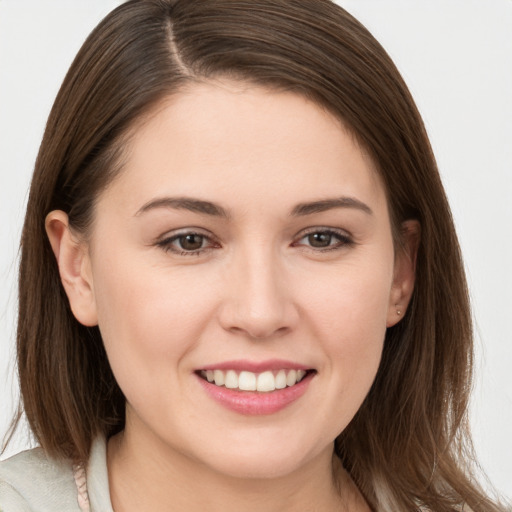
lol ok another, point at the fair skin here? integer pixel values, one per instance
(288, 259)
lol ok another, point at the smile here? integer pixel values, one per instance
(255, 388)
(263, 382)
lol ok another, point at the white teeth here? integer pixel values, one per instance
(248, 381)
(218, 376)
(291, 378)
(281, 379)
(231, 381)
(266, 382)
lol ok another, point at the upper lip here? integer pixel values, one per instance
(256, 366)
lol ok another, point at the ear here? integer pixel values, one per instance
(74, 267)
(404, 272)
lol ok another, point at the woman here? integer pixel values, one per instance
(252, 293)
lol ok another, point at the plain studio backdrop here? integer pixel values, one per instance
(456, 57)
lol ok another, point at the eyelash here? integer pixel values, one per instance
(344, 240)
(167, 244)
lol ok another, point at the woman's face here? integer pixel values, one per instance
(246, 240)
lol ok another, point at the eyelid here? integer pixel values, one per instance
(343, 236)
(165, 242)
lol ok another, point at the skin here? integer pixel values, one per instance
(259, 290)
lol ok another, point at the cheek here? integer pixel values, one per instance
(349, 316)
(362, 327)
(149, 321)
(352, 303)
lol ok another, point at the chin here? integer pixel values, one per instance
(259, 460)
(247, 467)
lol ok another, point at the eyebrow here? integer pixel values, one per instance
(303, 209)
(209, 208)
(184, 203)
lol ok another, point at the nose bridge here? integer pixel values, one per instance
(260, 303)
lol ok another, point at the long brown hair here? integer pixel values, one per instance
(408, 446)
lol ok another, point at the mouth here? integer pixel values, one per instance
(255, 388)
(262, 382)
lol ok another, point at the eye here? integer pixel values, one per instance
(187, 243)
(324, 239)
(190, 242)
(320, 239)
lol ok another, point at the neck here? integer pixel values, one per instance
(148, 476)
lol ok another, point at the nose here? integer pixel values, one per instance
(259, 300)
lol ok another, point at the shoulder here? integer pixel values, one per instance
(30, 481)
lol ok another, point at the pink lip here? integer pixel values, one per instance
(256, 367)
(253, 403)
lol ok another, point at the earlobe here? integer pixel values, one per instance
(74, 267)
(404, 272)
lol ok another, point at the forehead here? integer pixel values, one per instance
(220, 137)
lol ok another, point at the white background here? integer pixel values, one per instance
(456, 57)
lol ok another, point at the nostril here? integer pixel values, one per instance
(258, 306)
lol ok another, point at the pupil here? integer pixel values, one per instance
(319, 239)
(191, 242)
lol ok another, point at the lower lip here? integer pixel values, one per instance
(253, 403)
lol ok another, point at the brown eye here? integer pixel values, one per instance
(325, 239)
(191, 242)
(320, 239)
(188, 243)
